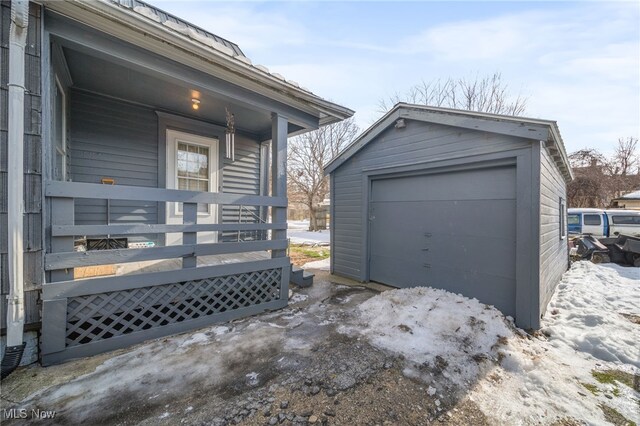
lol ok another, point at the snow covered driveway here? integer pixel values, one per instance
(351, 355)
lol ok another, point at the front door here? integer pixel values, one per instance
(192, 164)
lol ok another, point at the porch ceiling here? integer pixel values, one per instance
(98, 75)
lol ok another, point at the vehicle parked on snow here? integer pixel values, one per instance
(603, 223)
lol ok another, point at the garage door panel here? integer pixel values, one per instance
(467, 185)
(454, 231)
(490, 289)
(474, 255)
(405, 273)
(479, 218)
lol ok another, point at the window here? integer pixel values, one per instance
(592, 219)
(573, 219)
(563, 218)
(625, 220)
(59, 133)
(192, 170)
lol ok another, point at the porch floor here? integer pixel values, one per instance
(173, 264)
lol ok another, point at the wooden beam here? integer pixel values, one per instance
(62, 213)
(137, 193)
(141, 229)
(190, 217)
(279, 176)
(54, 261)
(73, 288)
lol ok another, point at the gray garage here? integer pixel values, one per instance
(469, 202)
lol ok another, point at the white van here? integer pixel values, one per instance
(603, 223)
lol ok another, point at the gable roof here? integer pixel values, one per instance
(151, 28)
(527, 128)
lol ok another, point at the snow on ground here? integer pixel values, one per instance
(322, 265)
(298, 233)
(546, 377)
(434, 326)
(454, 344)
(531, 380)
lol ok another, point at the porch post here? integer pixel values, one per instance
(279, 127)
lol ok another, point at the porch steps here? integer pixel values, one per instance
(300, 277)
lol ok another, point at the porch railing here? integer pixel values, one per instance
(88, 316)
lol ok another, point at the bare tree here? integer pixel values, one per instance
(590, 186)
(625, 159)
(308, 155)
(600, 179)
(484, 94)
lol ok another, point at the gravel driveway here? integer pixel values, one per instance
(287, 367)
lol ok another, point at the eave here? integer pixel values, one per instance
(133, 28)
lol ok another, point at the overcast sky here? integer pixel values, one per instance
(577, 62)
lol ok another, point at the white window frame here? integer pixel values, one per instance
(563, 218)
(62, 150)
(211, 178)
(173, 137)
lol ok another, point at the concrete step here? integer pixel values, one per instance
(300, 277)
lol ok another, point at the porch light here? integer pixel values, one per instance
(230, 131)
(195, 104)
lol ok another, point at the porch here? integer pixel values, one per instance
(143, 178)
(158, 290)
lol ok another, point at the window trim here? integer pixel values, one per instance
(61, 149)
(563, 218)
(210, 179)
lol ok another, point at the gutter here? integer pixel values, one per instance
(15, 307)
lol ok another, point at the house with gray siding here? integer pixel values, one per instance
(469, 202)
(126, 128)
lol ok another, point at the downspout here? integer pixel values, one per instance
(15, 161)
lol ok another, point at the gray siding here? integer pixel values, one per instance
(418, 142)
(241, 176)
(114, 139)
(33, 271)
(553, 249)
(111, 138)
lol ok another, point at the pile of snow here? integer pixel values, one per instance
(321, 265)
(526, 379)
(430, 326)
(543, 379)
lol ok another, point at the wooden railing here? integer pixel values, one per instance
(62, 258)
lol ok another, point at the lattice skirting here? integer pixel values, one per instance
(95, 317)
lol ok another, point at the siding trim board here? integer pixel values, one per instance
(426, 146)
